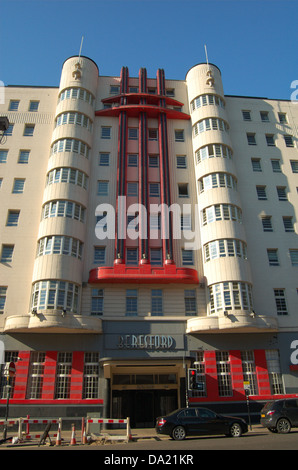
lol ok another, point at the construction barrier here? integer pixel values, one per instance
(25, 435)
(127, 436)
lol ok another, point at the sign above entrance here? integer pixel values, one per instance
(145, 342)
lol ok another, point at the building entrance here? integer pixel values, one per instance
(143, 406)
(144, 391)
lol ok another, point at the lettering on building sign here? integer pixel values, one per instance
(294, 355)
(145, 342)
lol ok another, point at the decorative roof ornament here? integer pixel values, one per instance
(77, 74)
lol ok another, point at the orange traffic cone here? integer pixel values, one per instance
(73, 436)
(58, 438)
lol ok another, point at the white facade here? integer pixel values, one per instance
(232, 160)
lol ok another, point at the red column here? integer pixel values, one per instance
(262, 372)
(49, 376)
(211, 375)
(77, 373)
(236, 373)
(21, 377)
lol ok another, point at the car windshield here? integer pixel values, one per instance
(268, 405)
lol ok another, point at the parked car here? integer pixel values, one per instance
(280, 415)
(195, 421)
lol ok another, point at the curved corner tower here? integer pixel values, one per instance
(224, 247)
(57, 277)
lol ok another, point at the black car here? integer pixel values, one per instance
(280, 415)
(194, 421)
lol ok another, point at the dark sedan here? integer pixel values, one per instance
(195, 421)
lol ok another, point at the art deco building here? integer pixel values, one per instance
(147, 226)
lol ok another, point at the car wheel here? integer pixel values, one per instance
(178, 433)
(274, 430)
(283, 426)
(235, 430)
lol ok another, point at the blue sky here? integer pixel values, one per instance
(253, 42)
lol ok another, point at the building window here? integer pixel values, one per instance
(7, 253)
(97, 301)
(132, 257)
(272, 257)
(77, 93)
(181, 161)
(67, 175)
(133, 133)
(261, 193)
(256, 164)
(104, 159)
(209, 124)
(29, 130)
(185, 222)
(205, 100)
(288, 224)
(274, 371)
(221, 212)
(179, 135)
(33, 106)
(280, 302)
(225, 247)
(153, 134)
(18, 186)
(153, 161)
(14, 105)
(190, 302)
(226, 296)
(132, 159)
(91, 375)
(289, 141)
(294, 166)
(213, 150)
(264, 116)
(102, 188)
(270, 140)
(276, 168)
(156, 302)
(224, 374)
(132, 189)
(201, 374)
(251, 138)
(267, 223)
(55, 295)
(3, 291)
(64, 209)
(183, 190)
(60, 245)
(114, 90)
(63, 375)
(70, 145)
(9, 130)
(187, 257)
(154, 190)
(246, 115)
(156, 256)
(106, 132)
(217, 180)
(249, 371)
(99, 255)
(281, 193)
(24, 156)
(282, 118)
(3, 156)
(36, 375)
(294, 257)
(12, 218)
(131, 302)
